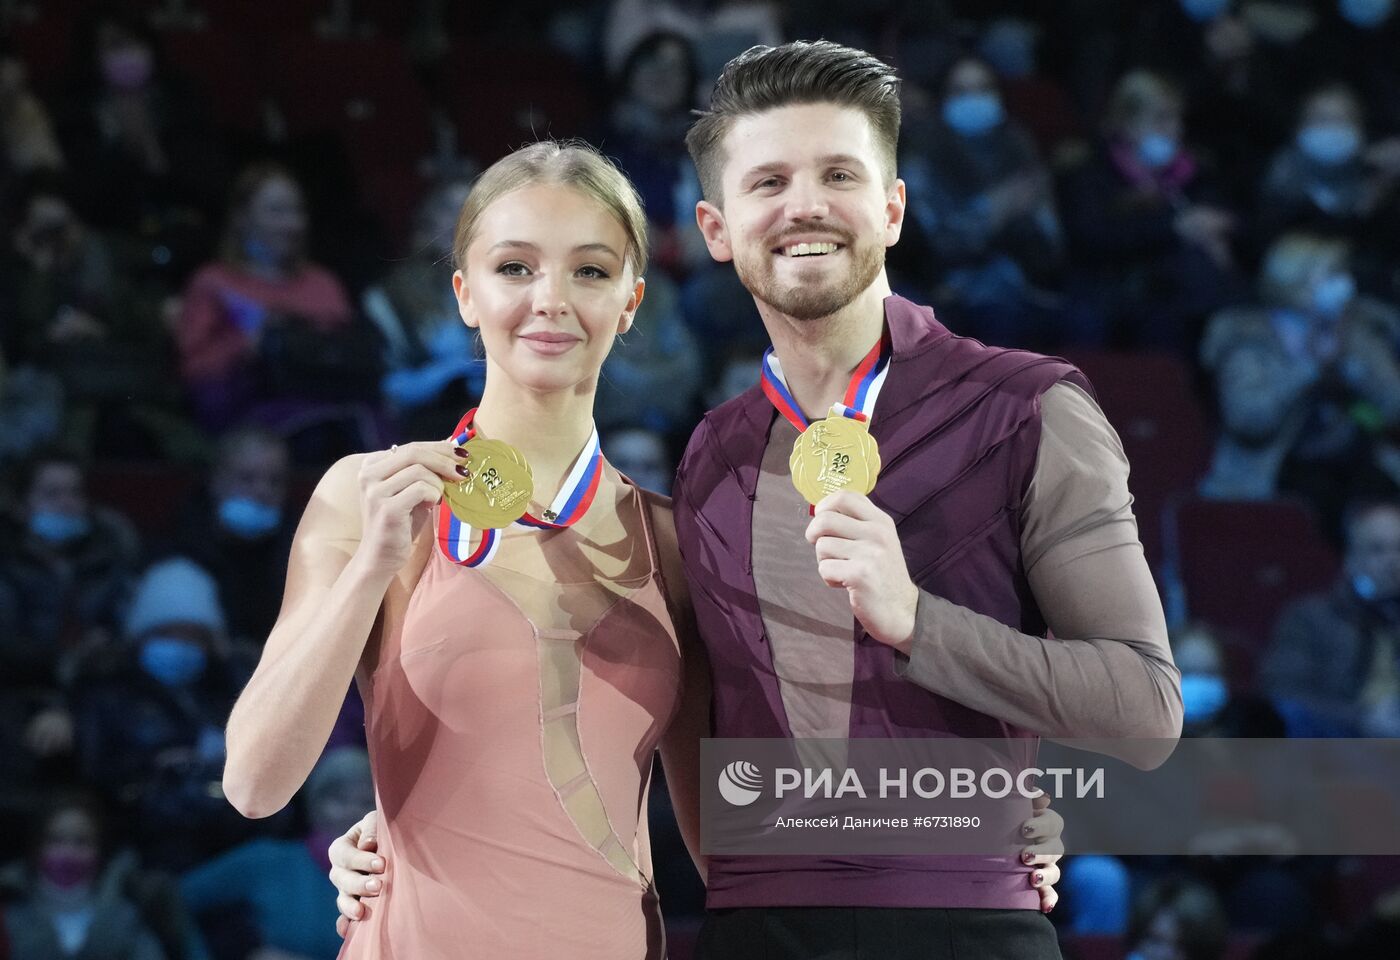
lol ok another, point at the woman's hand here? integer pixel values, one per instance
(355, 866)
(397, 488)
(1043, 851)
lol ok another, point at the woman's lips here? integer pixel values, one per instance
(550, 344)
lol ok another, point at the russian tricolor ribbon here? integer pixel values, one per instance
(570, 504)
(861, 394)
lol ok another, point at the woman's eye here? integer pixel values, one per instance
(513, 268)
(593, 273)
(840, 176)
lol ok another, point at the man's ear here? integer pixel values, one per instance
(894, 213)
(710, 219)
(629, 313)
(463, 294)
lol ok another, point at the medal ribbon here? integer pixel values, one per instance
(571, 503)
(861, 393)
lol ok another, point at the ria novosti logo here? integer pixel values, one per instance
(740, 783)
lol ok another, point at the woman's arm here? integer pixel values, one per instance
(680, 745)
(356, 536)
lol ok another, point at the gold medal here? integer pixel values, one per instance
(499, 487)
(834, 454)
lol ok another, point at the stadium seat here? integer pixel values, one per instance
(1239, 563)
(531, 94)
(150, 495)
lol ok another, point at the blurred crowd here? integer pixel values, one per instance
(225, 235)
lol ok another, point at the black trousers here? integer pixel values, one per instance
(875, 933)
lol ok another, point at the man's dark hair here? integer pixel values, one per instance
(764, 78)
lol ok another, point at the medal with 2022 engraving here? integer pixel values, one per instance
(833, 455)
(498, 490)
(837, 453)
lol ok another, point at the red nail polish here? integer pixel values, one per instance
(463, 470)
(461, 452)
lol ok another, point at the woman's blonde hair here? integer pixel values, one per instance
(570, 163)
(1292, 261)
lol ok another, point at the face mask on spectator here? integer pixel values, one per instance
(1366, 14)
(1204, 10)
(173, 661)
(58, 528)
(971, 114)
(1331, 294)
(248, 518)
(67, 869)
(1330, 144)
(1156, 150)
(127, 67)
(1202, 696)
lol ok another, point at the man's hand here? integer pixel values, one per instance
(1044, 850)
(355, 861)
(858, 548)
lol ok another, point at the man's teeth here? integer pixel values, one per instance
(809, 249)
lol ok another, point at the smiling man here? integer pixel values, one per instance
(920, 610)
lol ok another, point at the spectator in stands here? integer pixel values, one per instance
(264, 322)
(239, 529)
(718, 31)
(31, 410)
(646, 135)
(1098, 891)
(432, 372)
(1204, 687)
(1152, 240)
(1359, 47)
(641, 455)
(150, 714)
(70, 906)
(1034, 99)
(137, 140)
(282, 883)
(1315, 330)
(1240, 99)
(66, 568)
(1333, 179)
(71, 309)
(1262, 397)
(1334, 666)
(58, 281)
(1177, 920)
(981, 197)
(27, 140)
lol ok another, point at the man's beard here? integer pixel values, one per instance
(814, 301)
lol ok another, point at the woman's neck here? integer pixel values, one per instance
(549, 428)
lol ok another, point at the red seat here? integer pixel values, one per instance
(264, 20)
(1239, 563)
(501, 98)
(1148, 399)
(226, 66)
(149, 495)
